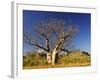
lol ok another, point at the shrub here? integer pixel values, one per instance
(75, 58)
(33, 59)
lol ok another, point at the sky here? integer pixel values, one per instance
(82, 20)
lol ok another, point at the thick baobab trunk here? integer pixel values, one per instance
(54, 57)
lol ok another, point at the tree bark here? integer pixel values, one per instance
(54, 57)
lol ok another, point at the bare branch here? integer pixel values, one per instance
(31, 42)
(55, 34)
(65, 50)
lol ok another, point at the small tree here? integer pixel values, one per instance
(52, 36)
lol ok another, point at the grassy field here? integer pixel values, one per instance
(74, 59)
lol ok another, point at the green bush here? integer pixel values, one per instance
(75, 58)
(32, 59)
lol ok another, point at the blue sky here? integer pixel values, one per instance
(83, 20)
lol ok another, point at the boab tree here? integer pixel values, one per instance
(52, 36)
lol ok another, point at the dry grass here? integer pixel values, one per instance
(75, 59)
(58, 65)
